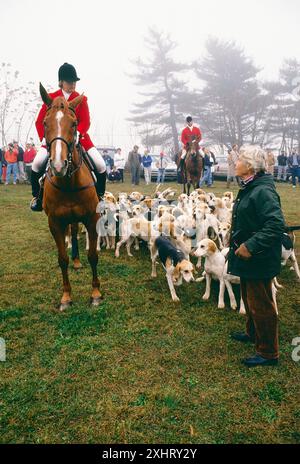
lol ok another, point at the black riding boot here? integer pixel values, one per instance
(36, 203)
(100, 184)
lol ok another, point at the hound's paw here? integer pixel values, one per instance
(234, 307)
(221, 305)
(242, 311)
(175, 299)
(205, 297)
(153, 275)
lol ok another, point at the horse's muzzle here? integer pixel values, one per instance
(59, 169)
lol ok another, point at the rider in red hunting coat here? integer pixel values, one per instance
(67, 78)
(189, 133)
(82, 114)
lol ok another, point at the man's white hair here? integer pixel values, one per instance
(254, 156)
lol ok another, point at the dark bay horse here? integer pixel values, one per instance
(69, 189)
(193, 167)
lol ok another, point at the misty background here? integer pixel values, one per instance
(144, 66)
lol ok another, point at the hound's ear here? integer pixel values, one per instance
(176, 273)
(211, 233)
(45, 96)
(74, 103)
(172, 230)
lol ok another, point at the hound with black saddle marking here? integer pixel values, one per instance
(173, 260)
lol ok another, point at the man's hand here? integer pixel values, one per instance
(243, 252)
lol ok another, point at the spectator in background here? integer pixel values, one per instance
(114, 175)
(108, 161)
(294, 164)
(212, 169)
(134, 163)
(119, 163)
(282, 166)
(161, 166)
(270, 162)
(1, 161)
(29, 156)
(11, 158)
(209, 162)
(4, 164)
(147, 162)
(232, 158)
(21, 173)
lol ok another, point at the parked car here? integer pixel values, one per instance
(221, 167)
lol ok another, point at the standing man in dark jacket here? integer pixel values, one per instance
(294, 164)
(255, 253)
(134, 162)
(282, 166)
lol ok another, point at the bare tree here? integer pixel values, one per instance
(18, 104)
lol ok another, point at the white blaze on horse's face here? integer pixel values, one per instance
(58, 164)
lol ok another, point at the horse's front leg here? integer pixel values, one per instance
(188, 188)
(93, 260)
(75, 249)
(58, 230)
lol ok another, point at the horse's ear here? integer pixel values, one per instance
(74, 103)
(45, 96)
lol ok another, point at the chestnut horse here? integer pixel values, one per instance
(69, 189)
(193, 166)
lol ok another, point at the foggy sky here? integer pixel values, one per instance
(100, 38)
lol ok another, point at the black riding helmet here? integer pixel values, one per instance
(67, 72)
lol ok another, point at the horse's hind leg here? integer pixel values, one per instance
(93, 260)
(58, 230)
(75, 249)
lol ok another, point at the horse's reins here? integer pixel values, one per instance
(70, 172)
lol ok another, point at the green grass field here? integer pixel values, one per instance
(138, 369)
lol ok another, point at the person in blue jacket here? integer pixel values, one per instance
(147, 163)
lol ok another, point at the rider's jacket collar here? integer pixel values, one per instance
(66, 95)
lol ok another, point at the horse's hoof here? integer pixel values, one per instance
(96, 301)
(63, 306)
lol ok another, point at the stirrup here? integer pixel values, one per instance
(36, 204)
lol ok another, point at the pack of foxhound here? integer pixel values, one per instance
(178, 231)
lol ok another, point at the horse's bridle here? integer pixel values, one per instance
(70, 146)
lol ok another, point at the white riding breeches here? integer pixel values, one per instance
(97, 159)
(183, 153)
(42, 157)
